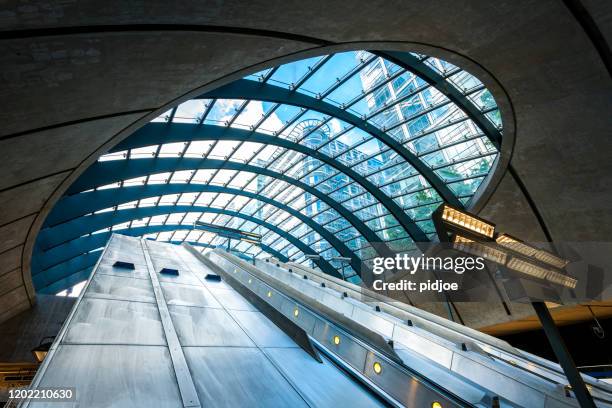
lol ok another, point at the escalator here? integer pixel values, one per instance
(163, 325)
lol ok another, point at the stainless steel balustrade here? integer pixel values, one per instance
(434, 325)
(396, 381)
(494, 368)
(114, 345)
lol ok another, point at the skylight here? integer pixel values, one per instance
(324, 155)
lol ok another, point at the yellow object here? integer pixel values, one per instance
(469, 246)
(466, 221)
(377, 367)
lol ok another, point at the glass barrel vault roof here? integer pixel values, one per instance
(325, 156)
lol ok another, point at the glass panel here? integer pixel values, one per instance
(190, 111)
(288, 74)
(332, 70)
(223, 111)
(396, 101)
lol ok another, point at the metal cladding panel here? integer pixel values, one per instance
(115, 322)
(137, 338)
(441, 375)
(210, 284)
(351, 352)
(410, 394)
(198, 326)
(161, 250)
(261, 330)
(505, 385)
(117, 376)
(124, 246)
(322, 385)
(120, 288)
(232, 300)
(422, 345)
(299, 315)
(113, 255)
(239, 377)
(367, 318)
(188, 295)
(183, 277)
(139, 271)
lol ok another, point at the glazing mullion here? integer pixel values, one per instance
(287, 124)
(347, 76)
(464, 160)
(257, 124)
(311, 72)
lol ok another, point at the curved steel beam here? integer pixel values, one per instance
(76, 247)
(68, 281)
(64, 270)
(83, 274)
(84, 260)
(323, 264)
(63, 233)
(107, 172)
(158, 133)
(247, 89)
(71, 207)
(429, 75)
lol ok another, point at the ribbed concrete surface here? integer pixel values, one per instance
(70, 90)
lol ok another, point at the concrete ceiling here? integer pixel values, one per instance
(77, 77)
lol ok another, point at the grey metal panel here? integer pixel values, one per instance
(409, 393)
(188, 295)
(304, 318)
(231, 299)
(184, 278)
(505, 386)
(126, 248)
(322, 385)
(225, 375)
(160, 249)
(373, 321)
(197, 326)
(430, 349)
(349, 351)
(197, 267)
(262, 331)
(455, 383)
(165, 256)
(114, 255)
(139, 271)
(186, 386)
(239, 377)
(125, 244)
(215, 284)
(116, 287)
(42, 370)
(113, 376)
(115, 322)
